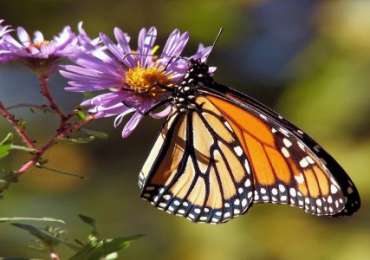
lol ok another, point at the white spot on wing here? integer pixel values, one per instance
(303, 163)
(238, 150)
(287, 142)
(285, 152)
(263, 117)
(247, 167)
(284, 132)
(301, 145)
(333, 189)
(310, 160)
(299, 178)
(228, 126)
(292, 192)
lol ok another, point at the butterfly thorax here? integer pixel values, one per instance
(186, 92)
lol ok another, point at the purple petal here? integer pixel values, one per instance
(64, 38)
(85, 41)
(118, 120)
(89, 61)
(107, 100)
(131, 124)
(38, 37)
(23, 36)
(161, 114)
(145, 45)
(202, 53)
(123, 40)
(114, 49)
(175, 44)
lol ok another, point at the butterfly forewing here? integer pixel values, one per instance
(286, 169)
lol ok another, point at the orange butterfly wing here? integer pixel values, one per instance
(211, 163)
(286, 169)
(197, 168)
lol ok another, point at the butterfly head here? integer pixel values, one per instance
(186, 92)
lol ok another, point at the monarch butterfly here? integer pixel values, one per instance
(220, 151)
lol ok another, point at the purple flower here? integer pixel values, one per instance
(130, 80)
(85, 42)
(38, 53)
(4, 30)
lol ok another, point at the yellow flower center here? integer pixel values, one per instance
(39, 44)
(146, 80)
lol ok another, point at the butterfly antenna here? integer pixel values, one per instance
(217, 37)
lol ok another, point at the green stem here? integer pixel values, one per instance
(22, 148)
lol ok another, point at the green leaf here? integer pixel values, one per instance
(79, 140)
(44, 219)
(81, 115)
(92, 223)
(104, 248)
(4, 150)
(8, 139)
(88, 220)
(95, 133)
(48, 237)
(41, 234)
(5, 145)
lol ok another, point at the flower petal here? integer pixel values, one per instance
(202, 53)
(145, 44)
(114, 49)
(123, 41)
(118, 120)
(161, 114)
(23, 36)
(38, 37)
(131, 124)
(175, 44)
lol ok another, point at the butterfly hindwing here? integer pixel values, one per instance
(197, 168)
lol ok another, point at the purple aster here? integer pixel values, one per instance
(85, 42)
(38, 52)
(129, 79)
(4, 30)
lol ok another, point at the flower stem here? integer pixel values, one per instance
(27, 105)
(15, 124)
(62, 132)
(44, 86)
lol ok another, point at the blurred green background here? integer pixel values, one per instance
(309, 60)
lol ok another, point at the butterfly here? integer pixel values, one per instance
(220, 151)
